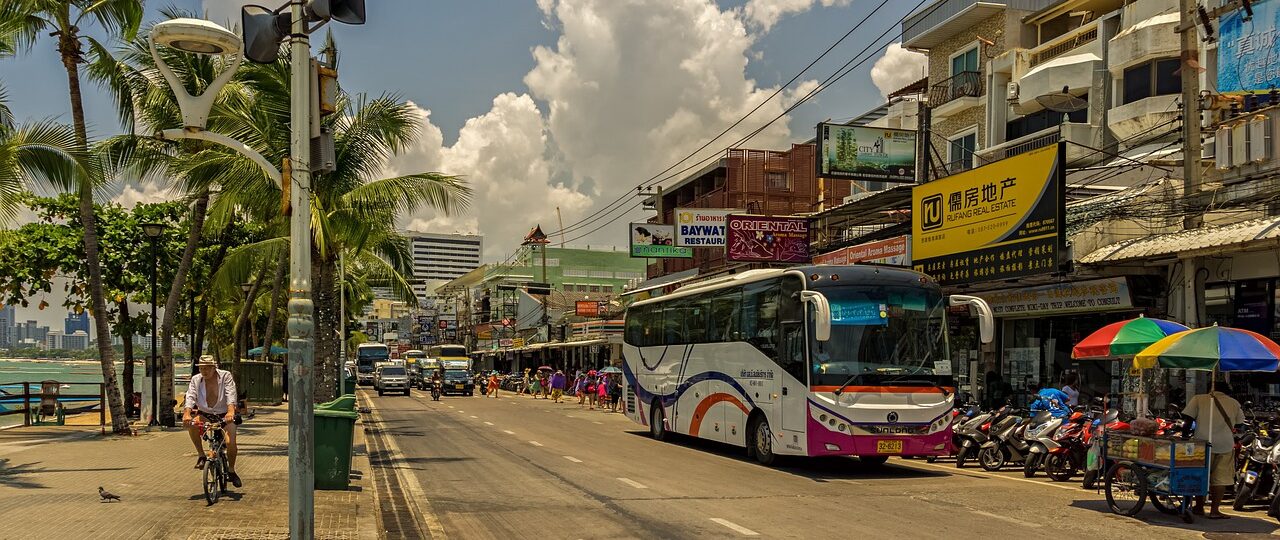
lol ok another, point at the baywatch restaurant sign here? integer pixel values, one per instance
(999, 221)
(895, 251)
(701, 227)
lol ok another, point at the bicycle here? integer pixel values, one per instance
(217, 470)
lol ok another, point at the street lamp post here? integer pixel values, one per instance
(153, 232)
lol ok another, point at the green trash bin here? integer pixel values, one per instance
(334, 437)
(346, 403)
(349, 385)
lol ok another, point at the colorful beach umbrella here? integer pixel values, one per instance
(1124, 338)
(1215, 347)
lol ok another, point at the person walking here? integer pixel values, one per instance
(1216, 414)
(525, 388)
(544, 380)
(580, 388)
(591, 390)
(557, 386)
(602, 391)
(615, 391)
(493, 384)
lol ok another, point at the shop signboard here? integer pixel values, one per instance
(701, 227)
(1097, 295)
(588, 308)
(767, 239)
(866, 153)
(505, 342)
(517, 342)
(656, 241)
(894, 251)
(999, 221)
(1248, 52)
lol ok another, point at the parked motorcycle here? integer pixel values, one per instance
(1039, 438)
(1093, 440)
(1257, 459)
(1006, 444)
(968, 437)
(1068, 458)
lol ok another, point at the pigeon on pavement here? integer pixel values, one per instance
(107, 496)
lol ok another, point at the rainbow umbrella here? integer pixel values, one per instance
(1124, 338)
(1215, 347)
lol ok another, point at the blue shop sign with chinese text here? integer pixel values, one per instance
(1248, 60)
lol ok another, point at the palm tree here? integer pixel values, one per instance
(23, 21)
(43, 153)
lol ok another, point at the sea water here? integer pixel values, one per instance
(19, 370)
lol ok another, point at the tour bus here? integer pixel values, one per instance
(806, 361)
(413, 364)
(442, 353)
(367, 356)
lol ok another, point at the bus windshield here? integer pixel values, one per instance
(879, 335)
(366, 357)
(451, 351)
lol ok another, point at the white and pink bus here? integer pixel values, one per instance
(806, 361)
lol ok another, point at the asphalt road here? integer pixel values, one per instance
(523, 468)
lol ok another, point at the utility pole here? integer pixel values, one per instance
(301, 325)
(1191, 146)
(339, 380)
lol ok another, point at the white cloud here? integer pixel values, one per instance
(149, 192)
(227, 12)
(766, 13)
(897, 68)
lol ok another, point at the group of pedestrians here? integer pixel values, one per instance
(593, 389)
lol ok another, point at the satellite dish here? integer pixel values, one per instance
(1062, 102)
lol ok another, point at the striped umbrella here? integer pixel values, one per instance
(1215, 347)
(1124, 338)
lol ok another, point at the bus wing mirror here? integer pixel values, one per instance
(986, 318)
(822, 317)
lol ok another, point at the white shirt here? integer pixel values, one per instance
(1201, 408)
(196, 398)
(1073, 395)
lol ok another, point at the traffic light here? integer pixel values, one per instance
(264, 28)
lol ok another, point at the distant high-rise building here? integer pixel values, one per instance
(53, 339)
(439, 257)
(76, 322)
(8, 322)
(76, 341)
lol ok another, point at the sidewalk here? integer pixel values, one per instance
(49, 479)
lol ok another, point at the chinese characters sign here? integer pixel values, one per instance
(999, 221)
(1082, 296)
(768, 239)
(866, 153)
(652, 240)
(1247, 54)
(895, 251)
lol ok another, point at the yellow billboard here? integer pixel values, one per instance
(999, 221)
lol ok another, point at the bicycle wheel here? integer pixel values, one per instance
(1168, 504)
(224, 473)
(211, 473)
(1126, 487)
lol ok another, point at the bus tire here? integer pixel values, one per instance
(762, 441)
(657, 422)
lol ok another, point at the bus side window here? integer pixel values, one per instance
(760, 316)
(791, 358)
(724, 316)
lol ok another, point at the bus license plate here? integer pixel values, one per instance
(889, 447)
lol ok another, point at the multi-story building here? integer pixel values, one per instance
(8, 322)
(53, 339)
(29, 332)
(75, 341)
(76, 322)
(441, 257)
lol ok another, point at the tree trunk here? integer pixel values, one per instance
(170, 318)
(126, 336)
(69, 49)
(277, 300)
(241, 331)
(203, 320)
(324, 295)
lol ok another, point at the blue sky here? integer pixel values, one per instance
(542, 104)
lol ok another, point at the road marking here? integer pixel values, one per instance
(451, 406)
(573, 459)
(968, 472)
(486, 423)
(735, 527)
(633, 483)
(535, 443)
(601, 423)
(476, 417)
(1006, 518)
(508, 432)
(420, 506)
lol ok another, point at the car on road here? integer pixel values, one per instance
(391, 378)
(458, 381)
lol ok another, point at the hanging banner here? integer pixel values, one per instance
(768, 239)
(895, 251)
(999, 221)
(701, 227)
(656, 241)
(1096, 295)
(866, 153)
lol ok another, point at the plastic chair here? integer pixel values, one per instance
(50, 412)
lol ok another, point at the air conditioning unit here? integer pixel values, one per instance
(1011, 91)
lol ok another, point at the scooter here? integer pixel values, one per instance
(435, 391)
(1093, 440)
(1040, 441)
(1069, 456)
(969, 436)
(1256, 474)
(1006, 444)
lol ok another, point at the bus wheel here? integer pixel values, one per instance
(657, 422)
(762, 441)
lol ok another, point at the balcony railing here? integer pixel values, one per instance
(1060, 46)
(1021, 145)
(963, 84)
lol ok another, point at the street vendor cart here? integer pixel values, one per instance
(1168, 471)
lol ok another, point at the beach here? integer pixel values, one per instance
(18, 370)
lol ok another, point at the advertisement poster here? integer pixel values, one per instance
(999, 221)
(894, 251)
(588, 308)
(768, 239)
(656, 241)
(1248, 59)
(701, 227)
(866, 153)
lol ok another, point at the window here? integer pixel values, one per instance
(777, 181)
(595, 288)
(1154, 78)
(576, 272)
(965, 61)
(1044, 119)
(960, 151)
(724, 316)
(759, 316)
(601, 274)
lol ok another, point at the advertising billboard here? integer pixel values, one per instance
(1247, 52)
(701, 227)
(588, 308)
(767, 239)
(895, 251)
(866, 153)
(656, 241)
(999, 221)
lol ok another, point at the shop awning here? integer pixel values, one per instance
(1242, 236)
(585, 342)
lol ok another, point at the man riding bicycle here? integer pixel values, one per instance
(212, 395)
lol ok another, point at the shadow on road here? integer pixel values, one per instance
(1235, 527)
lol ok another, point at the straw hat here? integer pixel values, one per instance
(207, 360)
